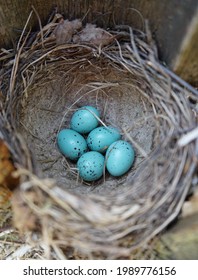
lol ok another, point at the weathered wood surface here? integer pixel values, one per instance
(181, 241)
(185, 63)
(170, 23)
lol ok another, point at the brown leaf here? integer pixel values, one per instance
(23, 218)
(94, 35)
(5, 195)
(65, 30)
(7, 168)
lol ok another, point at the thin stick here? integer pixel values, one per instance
(135, 144)
(40, 25)
(174, 77)
(15, 66)
(189, 137)
(29, 17)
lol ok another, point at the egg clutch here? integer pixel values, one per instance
(94, 147)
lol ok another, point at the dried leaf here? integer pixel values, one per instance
(65, 30)
(94, 35)
(7, 168)
(5, 195)
(23, 218)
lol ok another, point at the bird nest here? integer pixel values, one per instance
(43, 82)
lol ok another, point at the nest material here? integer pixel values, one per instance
(115, 217)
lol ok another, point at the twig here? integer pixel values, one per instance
(135, 144)
(40, 25)
(187, 138)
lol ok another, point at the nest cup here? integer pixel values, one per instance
(112, 217)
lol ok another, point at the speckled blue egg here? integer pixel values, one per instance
(91, 166)
(84, 120)
(119, 158)
(100, 138)
(71, 144)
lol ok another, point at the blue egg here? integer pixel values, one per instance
(119, 158)
(100, 138)
(84, 120)
(71, 144)
(91, 166)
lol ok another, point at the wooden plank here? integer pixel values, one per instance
(185, 63)
(181, 241)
